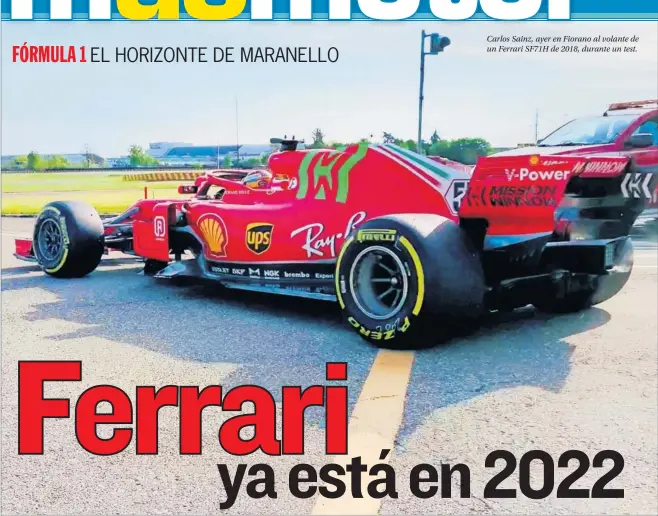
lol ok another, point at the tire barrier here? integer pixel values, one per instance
(164, 176)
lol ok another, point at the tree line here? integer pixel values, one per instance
(34, 161)
(463, 150)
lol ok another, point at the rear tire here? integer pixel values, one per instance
(407, 281)
(68, 239)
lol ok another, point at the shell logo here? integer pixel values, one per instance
(214, 233)
(534, 160)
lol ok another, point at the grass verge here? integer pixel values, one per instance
(104, 201)
(26, 194)
(81, 181)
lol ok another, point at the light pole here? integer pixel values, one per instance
(437, 44)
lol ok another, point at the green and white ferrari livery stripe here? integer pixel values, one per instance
(422, 162)
(435, 174)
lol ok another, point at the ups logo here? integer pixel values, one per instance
(259, 237)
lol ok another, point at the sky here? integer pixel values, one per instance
(373, 87)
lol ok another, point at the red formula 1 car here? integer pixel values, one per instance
(408, 247)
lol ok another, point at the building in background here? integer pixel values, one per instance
(175, 153)
(167, 154)
(158, 149)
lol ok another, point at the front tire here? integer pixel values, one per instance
(68, 239)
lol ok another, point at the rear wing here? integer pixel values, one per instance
(287, 144)
(518, 195)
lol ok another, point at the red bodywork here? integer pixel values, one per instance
(309, 200)
(312, 200)
(301, 209)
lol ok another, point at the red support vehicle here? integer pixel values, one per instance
(407, 246)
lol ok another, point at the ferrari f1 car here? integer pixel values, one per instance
(407, 246)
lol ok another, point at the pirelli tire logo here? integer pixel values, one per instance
(376, 235)
(259, 237)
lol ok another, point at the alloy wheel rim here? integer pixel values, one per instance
(51, 240)
(378, 282)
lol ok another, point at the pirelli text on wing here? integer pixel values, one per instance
(288, 55)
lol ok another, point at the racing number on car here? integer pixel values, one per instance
(159, 228)
(456, 193)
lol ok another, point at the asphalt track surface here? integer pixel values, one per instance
(522, 381)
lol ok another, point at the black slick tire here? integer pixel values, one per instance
(68, 239)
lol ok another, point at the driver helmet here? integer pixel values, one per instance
(258, 179)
